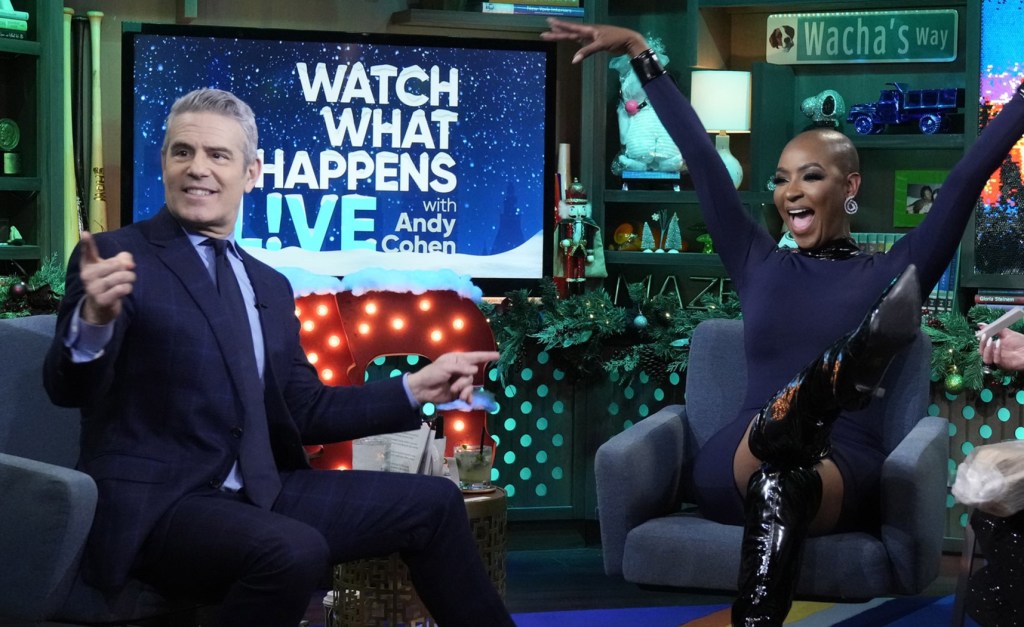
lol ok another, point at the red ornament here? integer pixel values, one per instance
(18, 290)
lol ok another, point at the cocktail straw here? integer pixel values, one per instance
(483, 432)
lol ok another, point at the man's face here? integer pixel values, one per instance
(204, 172)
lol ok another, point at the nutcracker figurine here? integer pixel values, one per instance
(579, 241)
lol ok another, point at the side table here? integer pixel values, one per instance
(377, 592)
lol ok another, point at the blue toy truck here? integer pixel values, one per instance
(932, 110)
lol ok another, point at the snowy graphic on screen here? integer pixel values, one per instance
(378, 151)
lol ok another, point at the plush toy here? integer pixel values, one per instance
(581, 251)
(646, 145)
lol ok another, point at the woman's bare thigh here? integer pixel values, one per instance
(744, 465)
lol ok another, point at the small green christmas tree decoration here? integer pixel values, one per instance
(647, 239)
(674, 240)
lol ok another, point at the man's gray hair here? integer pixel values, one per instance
(224, 103)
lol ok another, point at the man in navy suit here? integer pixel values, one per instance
(146, 348)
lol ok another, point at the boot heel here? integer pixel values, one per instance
(865, 355)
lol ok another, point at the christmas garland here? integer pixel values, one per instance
(955, 358)
(588, 336)
(41, 294)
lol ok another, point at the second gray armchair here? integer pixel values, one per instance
(651, 537)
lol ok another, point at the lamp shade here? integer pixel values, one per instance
(722, 100)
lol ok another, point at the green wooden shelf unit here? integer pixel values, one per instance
(31, 78)
(731, 34)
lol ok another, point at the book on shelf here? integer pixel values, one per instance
(942, 298)
(984, 298)
(13, 14)
(13, 24)
(1002, 290)
(6, 33)
(550, 3)
(531, 9)
(999, 306)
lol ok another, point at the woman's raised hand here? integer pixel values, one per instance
(595, 38)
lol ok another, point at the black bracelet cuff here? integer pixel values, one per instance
(647, 66)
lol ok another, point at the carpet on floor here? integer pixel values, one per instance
(900, 612)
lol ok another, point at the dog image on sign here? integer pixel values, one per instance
(780, 45)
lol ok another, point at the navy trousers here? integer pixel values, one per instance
(264, 566)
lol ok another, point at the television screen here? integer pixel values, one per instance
(379, 151)
(998, 231)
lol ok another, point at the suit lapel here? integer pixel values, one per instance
(176, 252)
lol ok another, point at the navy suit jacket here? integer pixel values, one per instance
(159, 406)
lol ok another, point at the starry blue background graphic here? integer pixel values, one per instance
(499, 143)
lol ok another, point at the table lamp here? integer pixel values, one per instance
(722, 101)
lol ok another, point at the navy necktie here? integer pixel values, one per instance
(256, 458)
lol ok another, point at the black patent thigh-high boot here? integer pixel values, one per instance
(859, 361)
(797, 421)
(790, 435)
(779, 508)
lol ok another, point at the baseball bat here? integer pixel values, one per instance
(79, 109)
(72, 223)
(97, 189)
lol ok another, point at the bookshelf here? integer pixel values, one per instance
(30, 94)
(731, 35)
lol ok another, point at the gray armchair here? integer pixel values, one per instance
(47, 507)
(651, 537)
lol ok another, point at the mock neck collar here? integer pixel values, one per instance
(835, 250)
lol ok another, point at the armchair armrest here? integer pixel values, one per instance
(638, 474)
(914, 486)
(46, 515)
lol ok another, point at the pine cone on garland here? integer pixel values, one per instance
(655, 366)
(42, 300)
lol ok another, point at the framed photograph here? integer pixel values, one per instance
(915, 191)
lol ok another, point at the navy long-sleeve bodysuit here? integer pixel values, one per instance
(796, 305)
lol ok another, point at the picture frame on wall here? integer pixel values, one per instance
(914, 193)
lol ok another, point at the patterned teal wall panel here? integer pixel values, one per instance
(994, 414)
(615, 405)
(549, 428)
(534, 428)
